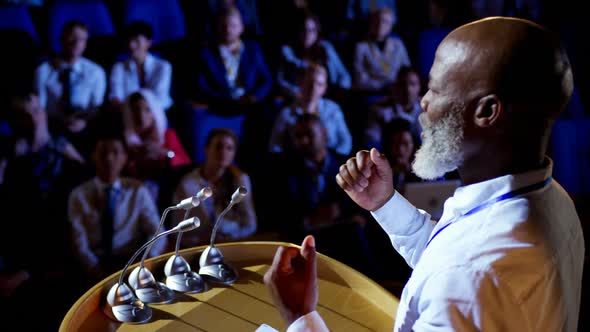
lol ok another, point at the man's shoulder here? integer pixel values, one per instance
(91, 66)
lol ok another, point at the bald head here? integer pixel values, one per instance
(520, 61)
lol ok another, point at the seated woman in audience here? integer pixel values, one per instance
(377, 59)
(143, 70)
(403, 103)
(311, 100)
(399, 146)
(306, 48)
(152, 145)
(219, 173)
(234, 76)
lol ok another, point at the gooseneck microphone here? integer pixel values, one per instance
(179, 275)
(236, 197)
(141, 278)
(124, 305)
(211, 261)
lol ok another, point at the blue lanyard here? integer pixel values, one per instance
(488, 203)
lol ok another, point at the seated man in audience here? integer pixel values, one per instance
(41, 169)
(70, 86)
(311, 201)
(111, 216)
(234, 76)
(378, 59)
(311, 101)
(403, 103)
(143, 70)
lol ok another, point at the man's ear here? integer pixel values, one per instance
(488, 111)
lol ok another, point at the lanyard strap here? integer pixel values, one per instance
(488, 203)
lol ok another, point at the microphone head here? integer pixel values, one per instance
(239, 195)
(188, 224)
(204, 193)
(188, 203)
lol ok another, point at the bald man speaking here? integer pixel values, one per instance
(508, 251)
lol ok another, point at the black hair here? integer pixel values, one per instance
(222, 132)
(139, 28)
(108, 125)
(71, 25)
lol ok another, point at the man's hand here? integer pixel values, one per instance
(367, 179)
(292, 280)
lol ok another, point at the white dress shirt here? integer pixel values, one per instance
(88, 85)
(513, 266)
(157, 77)
(135, 221)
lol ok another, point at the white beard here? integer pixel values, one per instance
(441, 149)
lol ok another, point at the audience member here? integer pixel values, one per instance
(378, 59)
(234, 76)
(403, 103)
(111, 216)
(311, 201)
(311, 101)
(41, 168)
(220, 174)
(399, 147)
(153, 146)
(143, 70)
(69, 86)
(306, 48)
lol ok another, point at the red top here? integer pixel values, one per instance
(172, 143)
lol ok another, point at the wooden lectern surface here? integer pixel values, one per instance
(348, 300)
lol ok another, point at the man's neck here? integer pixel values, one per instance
(232, 45)
(310, 105)
(140, 60)
(69, 59)
(108, 179)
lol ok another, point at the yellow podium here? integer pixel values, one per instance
(348, 300)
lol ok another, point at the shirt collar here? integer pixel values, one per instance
(102, 185)
(224, 50)
(468, 197)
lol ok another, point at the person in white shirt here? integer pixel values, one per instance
(508, 251)
(111, 216)
(143, 70)
(70, 87)
(378, 59)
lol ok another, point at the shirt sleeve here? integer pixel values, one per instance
(278, 132)
(40, 77)
(312, 322)
(461, 298)
(344, 145)
(408, 227)
(341, 75)
(79, 234)
(150, 220)
(116, 82)
(99, 89)
(162, 82)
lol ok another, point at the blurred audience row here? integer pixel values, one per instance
(92, 153)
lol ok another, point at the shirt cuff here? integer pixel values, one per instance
(398, 216)
(312, 322)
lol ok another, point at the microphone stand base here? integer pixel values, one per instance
(188, 282)
(219, 273)
(160, 294)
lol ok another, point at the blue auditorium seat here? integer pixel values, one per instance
(570, 150)
(17, 18)
(428, 41)
(165, 16)
(94, 14)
